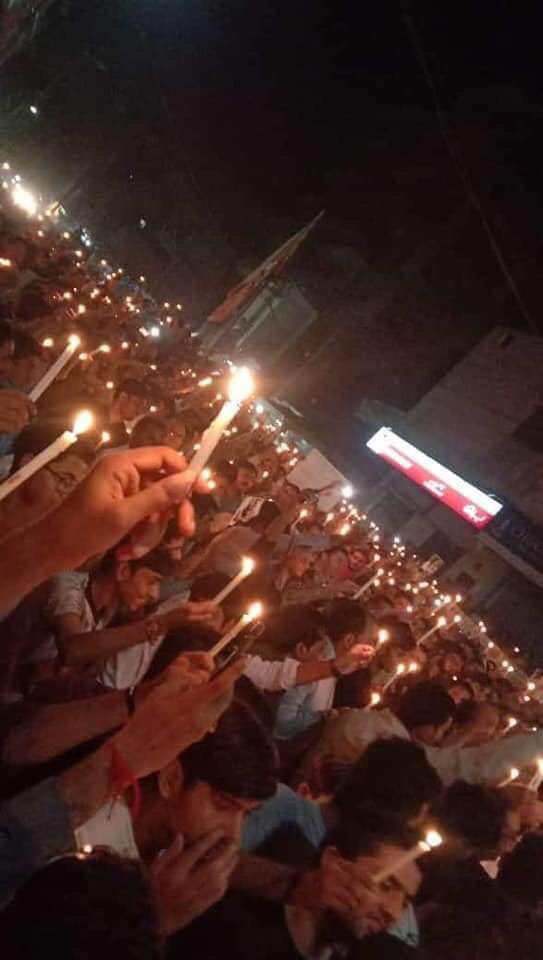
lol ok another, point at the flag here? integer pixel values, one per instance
(244, 292)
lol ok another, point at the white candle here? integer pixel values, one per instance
(240, 388)
(514, 774)
(535, 782)
(55, 367)
(442, 622)
(247, 567)
(400, 670)
(432, 840)
(253, 613)
(367, 585)
(82, 423)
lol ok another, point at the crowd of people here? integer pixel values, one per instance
(354, 774)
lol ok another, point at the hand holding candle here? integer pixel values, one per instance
(82, 422)
(253, 613)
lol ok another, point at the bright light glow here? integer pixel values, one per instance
(442, 621)
(5, 263)
(74, 340)
(155, 331)
(81, 308)
(344, 529)
(468, 501)
(83, 422)
(259, 408)
(413, 667)
(142, 279)
(531, 685)
(48, 342)
(110, 385)
(241, 385)
(347, 491)
(33, 110)
(24, 199)
(106, 436)
(206, 382)
(433, 839)
(125, 345)
(104, 348)
(375, 699)
(382, 635)
(83, 356)
(255, 611)
(247, 566)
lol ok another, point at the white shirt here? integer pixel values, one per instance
(272, 675)
(111, 826)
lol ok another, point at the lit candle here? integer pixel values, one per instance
(432, 840)
(514, 774)
(247, 567)
(367, 585)
(374, 700)
(239, 389)
(442, 622)
(400, 670)
(382, 636)
(55, 368)
(83, 422)
(253, 613)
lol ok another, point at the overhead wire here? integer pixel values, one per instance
(416, 41)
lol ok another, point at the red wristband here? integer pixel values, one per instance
(122, 779)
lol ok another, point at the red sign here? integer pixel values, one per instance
(470, 503)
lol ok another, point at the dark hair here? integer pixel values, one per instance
(353, 689)
(134, 388)
(425, 704)
(297, 623)
(357, 836)
(473, 812)
(157, 426)
(393, 776)
(344, 616)
(155, 560)
(83, 907)
(6, 332)
(381, 946)
(521, 871)
(25, 345)
(238, 758)
(226, 470)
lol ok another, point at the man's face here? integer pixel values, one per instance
(245, 480)
(6, 352)
(138, 588)
(337, 563)
(387, 900)
(131, 406)
(298, 562)
(197, 810)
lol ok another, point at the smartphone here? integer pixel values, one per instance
(237, 648)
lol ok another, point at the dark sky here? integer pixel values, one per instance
(259, 99)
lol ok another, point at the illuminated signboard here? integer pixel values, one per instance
(466, 500)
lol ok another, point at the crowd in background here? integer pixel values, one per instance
(160, 800)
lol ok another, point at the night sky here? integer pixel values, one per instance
(227, 125)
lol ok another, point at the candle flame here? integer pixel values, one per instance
(247, 566)
(104, 348)
(382, 636)
(442, 621)
(74, 341)
(375, 698)
(241, 385)
(206, 382)
(514, 773)
(400, 669)
(106, 436)
(413, 667)
(110, 385)
(83, 422)
(255, 611)
(48, 342)
(433, 838)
